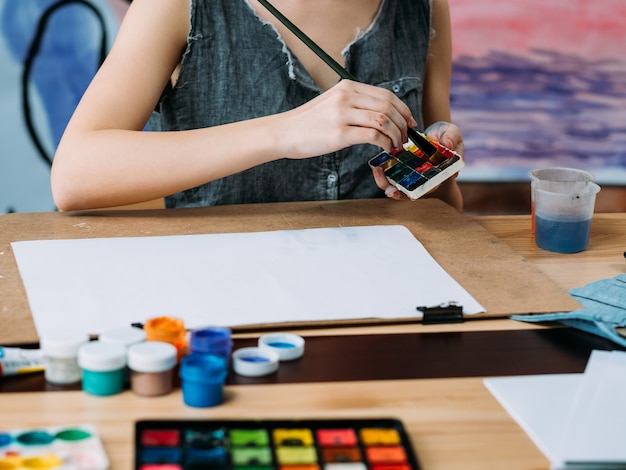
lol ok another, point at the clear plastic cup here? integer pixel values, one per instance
(558, 179)
(560, 175)
(562, 214)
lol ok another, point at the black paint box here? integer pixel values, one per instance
(346, 444)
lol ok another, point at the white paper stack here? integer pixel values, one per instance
(234, 279)
(577, 420)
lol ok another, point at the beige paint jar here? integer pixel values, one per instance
(151, 365)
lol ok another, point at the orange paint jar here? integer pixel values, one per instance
(168, 330)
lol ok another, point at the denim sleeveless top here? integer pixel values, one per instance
(236, 67)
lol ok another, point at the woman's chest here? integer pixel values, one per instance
(332, 24)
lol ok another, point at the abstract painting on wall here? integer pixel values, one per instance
(539, 84)
(49, 52)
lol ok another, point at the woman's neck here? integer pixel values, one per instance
(332, 24)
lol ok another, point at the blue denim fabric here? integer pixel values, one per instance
(236, 68)
(604, 309)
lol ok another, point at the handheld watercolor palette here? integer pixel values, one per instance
(415, 171)
(52, 448)
(347, 444)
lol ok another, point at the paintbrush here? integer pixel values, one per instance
(416, 137)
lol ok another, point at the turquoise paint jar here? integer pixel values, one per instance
(103, 366)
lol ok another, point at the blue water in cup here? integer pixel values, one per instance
(562, 236)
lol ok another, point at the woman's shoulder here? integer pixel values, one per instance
(154, 19)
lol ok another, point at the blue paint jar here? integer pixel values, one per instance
(5, 439)
(202, 379)
(212, 340)
(103, 366)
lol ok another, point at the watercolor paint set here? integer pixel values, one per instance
(346, 444)
(416, 170)
(53, 448)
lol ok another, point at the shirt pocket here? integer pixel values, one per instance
(409, 90)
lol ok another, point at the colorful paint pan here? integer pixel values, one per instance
(352, 444)
(415, 173)
(50, 448)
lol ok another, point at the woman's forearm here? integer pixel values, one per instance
(104, 168)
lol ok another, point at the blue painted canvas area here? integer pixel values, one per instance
(546, 109)
(68, 58)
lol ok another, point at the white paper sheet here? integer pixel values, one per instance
(539, 404)
(595, 428)
(233, 279)
(576, 420)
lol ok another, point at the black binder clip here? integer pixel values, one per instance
(450, 312)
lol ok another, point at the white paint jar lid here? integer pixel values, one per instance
(255, 362)
(126, 336)
(152, 356)
(96, 356)
(288, 346)
(62, 343)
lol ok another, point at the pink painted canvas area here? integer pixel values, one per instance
(540, 83)
(596, 29)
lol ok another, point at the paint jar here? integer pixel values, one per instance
(126, 336)
(103, 367)
(202, 379)
(211, 340)
(168, 330)
(563, 214)
(61, 352)
(152, 368)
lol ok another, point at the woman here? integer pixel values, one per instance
(251, 114)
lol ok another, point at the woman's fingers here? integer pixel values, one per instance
(448, 134)
(367, 114)
(382, 182)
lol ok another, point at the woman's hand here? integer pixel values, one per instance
(347, 114)
(448, 135)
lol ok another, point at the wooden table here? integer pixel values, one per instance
(603, 259)
(454, 423)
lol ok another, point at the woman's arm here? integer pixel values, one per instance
(436, 99)
(436, 106)
(105, 159)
